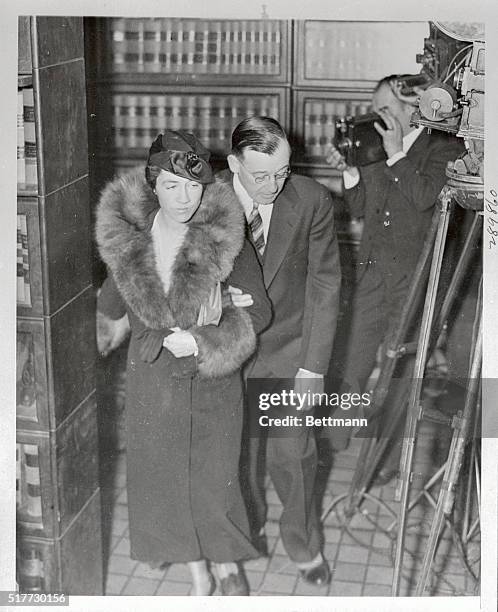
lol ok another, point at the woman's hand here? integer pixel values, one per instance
(239, 299)
(181, 343)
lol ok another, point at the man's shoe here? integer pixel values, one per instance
(384, 476)
(234, 584)
(317, 576)
(260, 543)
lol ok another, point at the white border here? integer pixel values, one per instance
(447, 10)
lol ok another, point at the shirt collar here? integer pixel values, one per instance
(410, 138)
(244, 198)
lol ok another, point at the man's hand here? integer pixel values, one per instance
(181, 343)
(305, 382)
(392, 137)
(239, 299)
(111, 332)
(337, 161)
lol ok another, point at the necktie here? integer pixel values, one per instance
(256, 225)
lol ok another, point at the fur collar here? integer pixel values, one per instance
(214, 238)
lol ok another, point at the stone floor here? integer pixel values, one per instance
(360, 554)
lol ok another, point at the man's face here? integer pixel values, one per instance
(262, 176)
(384, 99)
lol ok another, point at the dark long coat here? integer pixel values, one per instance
(184, 416)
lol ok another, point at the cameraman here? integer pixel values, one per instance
(396, 199)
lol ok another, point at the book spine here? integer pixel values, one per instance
(118, 123)
(118, 45)
(174, 107)
(131, 121)
(202, 46)
(19, 266)
(30, 569)
(152, 45)
(21, 162)
(178, 37)
(18, 476)
(167, 44)
(32, 475)
(25, 260)
(30, 136)
(224, 48)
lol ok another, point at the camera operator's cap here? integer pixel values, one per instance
(182, 154)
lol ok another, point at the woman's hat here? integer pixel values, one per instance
(182, 154)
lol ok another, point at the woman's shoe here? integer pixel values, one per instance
(234, 584)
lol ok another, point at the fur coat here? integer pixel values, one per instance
(214, 238)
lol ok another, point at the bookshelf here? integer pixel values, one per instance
(57, 493)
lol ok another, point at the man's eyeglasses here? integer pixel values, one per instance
(264, 178)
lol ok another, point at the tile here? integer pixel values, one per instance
(120, 480)
(352, 554)
(379, 574)
(122, 497)
(62, 164)
(178, 572)
(279, 583)
(308, 590)
(115, 540)
(68, 239)
(377, 558)
(123, 548)
(120, 512)
(114, 584)
(119, 564)
(332, 534)
(143, 570)
(274, 512)
(281, 565)
(272, 497)
(349, 572)
(330, 552)
(257, 565)
(141, 586)
(255, 580)
(59, 39)
(381, 540)
(272, 528)
(376, 590)
(173, 588)
(345, 589)
(119, 527)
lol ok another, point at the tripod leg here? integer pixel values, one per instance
(454, 462)
(413, 413)
(370, 449)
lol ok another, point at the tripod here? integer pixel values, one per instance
(409, 390)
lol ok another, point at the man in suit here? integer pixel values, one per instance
(396, 198)
(291, 224)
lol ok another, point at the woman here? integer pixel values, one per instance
(172, 242)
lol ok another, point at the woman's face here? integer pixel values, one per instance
(178, 197)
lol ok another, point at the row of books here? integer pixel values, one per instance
(30, 569)
(22, 270)
(359, 50)
(138, 119)
(319, 122)
(28, 490)
(27, 173)
(199, 46)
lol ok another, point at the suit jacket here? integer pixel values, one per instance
(302, 276)
(397, 204)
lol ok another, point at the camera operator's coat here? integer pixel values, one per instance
(397, 204)
(184, 415)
